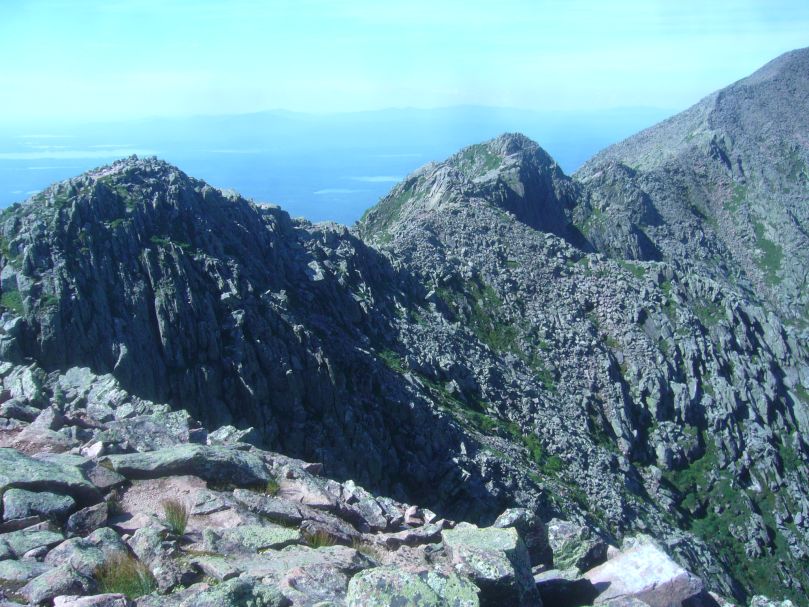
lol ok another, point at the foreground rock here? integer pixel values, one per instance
(646, 573)
(496, 560)
(385, 586)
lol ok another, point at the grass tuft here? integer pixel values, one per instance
(124, 574)
(272, 487)
(176, 513)
(320, 539)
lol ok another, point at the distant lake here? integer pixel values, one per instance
(322, 167)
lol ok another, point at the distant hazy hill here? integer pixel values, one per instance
(320, 166)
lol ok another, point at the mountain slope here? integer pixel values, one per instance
(661, 390)
(464, 348)
(723, 186)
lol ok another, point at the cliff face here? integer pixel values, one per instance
(493, 333)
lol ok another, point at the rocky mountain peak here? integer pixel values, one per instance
(792, 65)
(722, 186)
(510, 173)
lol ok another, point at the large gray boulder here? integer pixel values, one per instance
(62, 580)
(20, 503)
(532, 530)
(496, 560)
(21, 571)
(24, 472)
(250, 538)
(97, 600)
(646, 573)
(314, 585)
(87, 554)
(25, 540)
(564, 588)
(214, 464)
(87, 519)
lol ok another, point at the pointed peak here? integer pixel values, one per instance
(509, 144)
(487, 160)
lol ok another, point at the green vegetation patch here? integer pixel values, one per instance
(637, 270)
(478, 158)
(793, 166)
(393, 361)
(482, 305)
(124, 574)
(709, 313)
(594, 218)
(771, 255)
(175, 515)
(381, 217)
(705, 482)
(12, 300)
(736, 199)
(166, 241)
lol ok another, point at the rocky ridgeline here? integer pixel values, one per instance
(721, 187)
(671, 400)
(492, 335)
(89, 476)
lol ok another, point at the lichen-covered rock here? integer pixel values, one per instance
(162, 556)
(87, 554)
(97, 600)
(564, 588)
(763, 601)
(21, 571)
(574, 546)
(314, 585)
(87, 519)
(238, 593)
(496, 560)
(385, 586)
(250, 538)
(25, 540)
(215, 464)
(58, 581)
(24, 472)
(533, 533)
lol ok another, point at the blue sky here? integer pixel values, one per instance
(64, 60)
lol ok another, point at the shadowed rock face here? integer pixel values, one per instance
(230, 310)
(462, 348)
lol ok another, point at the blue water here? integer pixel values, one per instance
(326, 167)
